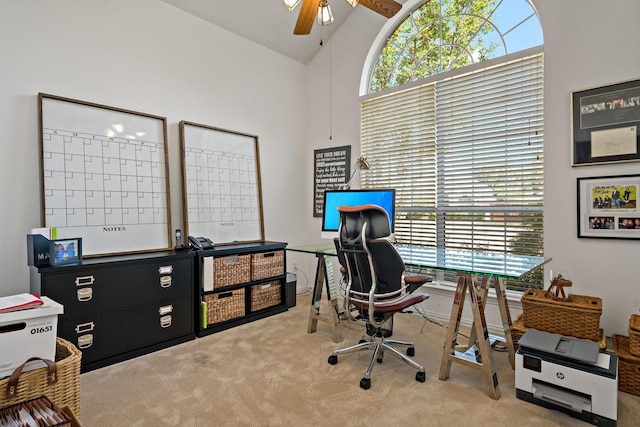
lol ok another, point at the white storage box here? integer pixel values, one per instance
(28, 333)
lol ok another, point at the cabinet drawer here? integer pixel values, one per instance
(104, 288)
(109, 334)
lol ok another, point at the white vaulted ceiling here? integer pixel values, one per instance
(268, 23)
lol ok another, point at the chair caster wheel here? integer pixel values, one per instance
(365, 383)
(411, 351)
(421, 377)
(362, 341)
(333, 359)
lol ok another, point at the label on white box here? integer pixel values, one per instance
(28, 333)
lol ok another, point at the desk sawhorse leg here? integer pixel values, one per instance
(333, 318)
(479, 343)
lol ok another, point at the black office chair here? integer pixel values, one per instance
(375, 285)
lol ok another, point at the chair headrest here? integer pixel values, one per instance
(353, 217)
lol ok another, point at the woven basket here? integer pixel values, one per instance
(64, 392)
(224, 306)
(628, 366)
(518, 329)
(267, 264)
(231, 270)
(634, 335)
(579, 317)
(41, 409)
(265, 295)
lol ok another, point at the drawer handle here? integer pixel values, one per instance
(165, 281)
(166, 309)
(84, 294)
(85, 341)
(85, 327)
(84, 280)
(165, 321)
(165, 269)
(269, 255)
(232, 259)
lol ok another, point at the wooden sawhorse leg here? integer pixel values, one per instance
(333, 318)
(481, 358)
(505, 315)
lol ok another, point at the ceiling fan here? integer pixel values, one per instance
(321, 8)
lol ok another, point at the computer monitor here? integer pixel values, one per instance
(383, 197)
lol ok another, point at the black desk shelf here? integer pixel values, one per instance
(250, 249)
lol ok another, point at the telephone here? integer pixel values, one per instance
(199, 243)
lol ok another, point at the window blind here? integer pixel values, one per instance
(464, 154)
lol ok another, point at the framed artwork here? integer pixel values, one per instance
(608, 207)
(104, 176)
(222, 193)
(606, 124)
(331, 168)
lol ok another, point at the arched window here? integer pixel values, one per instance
(453, 120)
(445, 35)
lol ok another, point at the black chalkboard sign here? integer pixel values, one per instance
(332, 169)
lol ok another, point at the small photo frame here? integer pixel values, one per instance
(65, 252)
(608, 207)
(606, 124)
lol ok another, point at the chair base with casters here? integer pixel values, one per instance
(379, 343)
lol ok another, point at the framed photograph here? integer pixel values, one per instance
(606, 124)
(222, 193)
(65, 252)
(104, 176)
(608, 207)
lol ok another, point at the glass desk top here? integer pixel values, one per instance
(498, 264)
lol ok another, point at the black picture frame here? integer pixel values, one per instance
(606, 124)
(331, 169)
(602, 213)
(65, 252)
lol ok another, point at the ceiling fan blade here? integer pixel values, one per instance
(308, 12)
(386, 8)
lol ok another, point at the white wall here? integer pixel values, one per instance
(587, 43)
(147, 56)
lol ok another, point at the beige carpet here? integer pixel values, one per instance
(272, 373)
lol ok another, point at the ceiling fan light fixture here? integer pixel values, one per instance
(353, 3)
(325, 15)
(291, 4)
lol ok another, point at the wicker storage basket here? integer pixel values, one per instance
(42, 410)
(518, 329)
(64, 392)
(628, 366)
(579, 317)
(265, 295)
(634, 335)
(231, 270)
(224, 306)
(267, 264)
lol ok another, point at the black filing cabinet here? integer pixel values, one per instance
(120, 307)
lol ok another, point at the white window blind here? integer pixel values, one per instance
(465, 156)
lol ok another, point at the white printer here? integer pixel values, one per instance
(568, 374)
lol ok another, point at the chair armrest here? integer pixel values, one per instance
(414, 282)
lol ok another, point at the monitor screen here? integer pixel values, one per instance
(383, 197)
